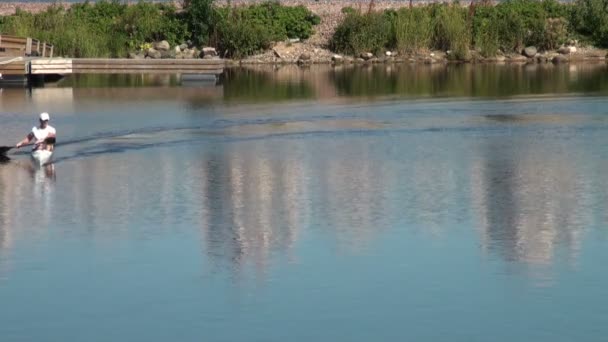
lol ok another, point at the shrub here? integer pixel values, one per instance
(103, 29)
(358, 33)
(199, 19)
(450, 29)
(413, 29)
(514, 24)
(239, 36)
(590, 18)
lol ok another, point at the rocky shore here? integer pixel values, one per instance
(314, 50)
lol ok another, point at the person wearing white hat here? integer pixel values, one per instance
(41, 135)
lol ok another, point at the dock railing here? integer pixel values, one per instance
(14, 46)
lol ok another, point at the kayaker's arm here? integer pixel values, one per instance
(25, 141)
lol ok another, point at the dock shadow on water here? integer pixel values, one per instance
(326, 204)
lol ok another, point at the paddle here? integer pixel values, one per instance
(5, 149)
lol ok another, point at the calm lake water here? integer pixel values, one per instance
(369, 204)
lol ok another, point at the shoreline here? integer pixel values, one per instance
(314, 50)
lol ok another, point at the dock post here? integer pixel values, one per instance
(28, 46)
(43, 49)
(51, 52)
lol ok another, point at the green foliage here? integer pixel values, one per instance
(413, 29)
(146, 22)
(280, 22)
(238, 35)
(450, 29)
(590, 18)
(514, 24)
(199, 18)
(370, 32)
(103, 29)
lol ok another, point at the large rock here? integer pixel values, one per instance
(167, 54)
(153, 53)
(209, 51)
(162, 46)
(337, 58)
(133, 55)
(530, 51)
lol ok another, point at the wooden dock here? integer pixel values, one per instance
(27, 67)
(13, 46)
(25, 58)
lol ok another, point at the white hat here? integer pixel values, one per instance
(45, 116)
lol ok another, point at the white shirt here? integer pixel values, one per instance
(42, 133)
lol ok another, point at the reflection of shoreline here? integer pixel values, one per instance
(347, 178)
(528, 202)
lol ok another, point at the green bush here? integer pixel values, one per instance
(590, 18)
(450, 30)
(239, 36)
(103, 29)
(413, 29)
(370, 32)
(242, 31)
(514, 24)
(199, 16)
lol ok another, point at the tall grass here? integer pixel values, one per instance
(450, 30)
(369, 32)
(104, 29)
(413, 29)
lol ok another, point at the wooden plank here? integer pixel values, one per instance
(127, 71)
(17, 40)
(146, 67)
(49, 61)
(57, 71)
(10, 45)
(12, 67)
(12, 72)
(119, 61)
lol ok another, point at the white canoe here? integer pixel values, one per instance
(41, 157)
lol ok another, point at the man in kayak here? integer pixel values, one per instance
(41, 134)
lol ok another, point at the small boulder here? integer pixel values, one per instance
(183, 46)
(167, 54)
(162, 46)
(177, 49)
(304, 57)
(337, 58)
(388, 53)
(541, 59)
(518, 59)
(366, 55)
(209, 51)
(564, 50)
(572, 49)
(530, 51)
(559, 59)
